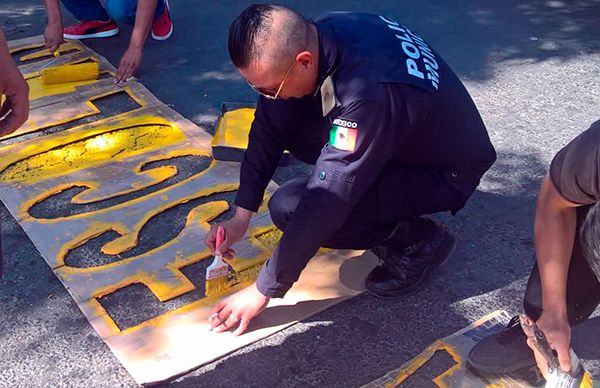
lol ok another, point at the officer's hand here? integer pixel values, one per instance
(53, 35)
(234, 228)
(14, 94)
(239, 309)
(558, 333)
(129, 63)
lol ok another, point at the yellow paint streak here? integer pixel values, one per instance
(233, 128)
(32, 126)
(207, 302)
(153, 176)
(423, 358)
(95, 150)
(95, 229)
(38, 89)
(65, 47)
(457, 359)
(211, 209)
(70, 73)
(206, 211)
(271, 237)
(587, 381)
(14, 153)
(239, 265)
(132, 95)
(163, 291)
(15, 50)
(23, 213)
(107, 326)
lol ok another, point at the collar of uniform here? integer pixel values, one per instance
(328, 53)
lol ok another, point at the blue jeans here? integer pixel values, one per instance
(120, 10)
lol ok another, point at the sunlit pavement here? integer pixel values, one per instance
(532, 68)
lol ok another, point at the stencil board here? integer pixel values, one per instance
(116, 191)
(444, 363)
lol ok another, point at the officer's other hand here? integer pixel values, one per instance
(130, 61)
(53, 35)
(558, 333)
(238, 310)
(234, 228)
(14, 96)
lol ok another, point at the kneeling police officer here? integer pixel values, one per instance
(392, 134)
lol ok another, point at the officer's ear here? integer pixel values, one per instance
(305, 59)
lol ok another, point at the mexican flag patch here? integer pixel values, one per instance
(343, 134)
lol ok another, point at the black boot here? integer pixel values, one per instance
(505, 353)
(404, 269)
(501, 353)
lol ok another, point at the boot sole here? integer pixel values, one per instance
(165, 37)
(448, 248)
(102, 34)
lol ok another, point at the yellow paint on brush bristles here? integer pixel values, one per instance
(245, 273)
(70, 73)
(216, 285)
(223, 283)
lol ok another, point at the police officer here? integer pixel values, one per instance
(392, 134)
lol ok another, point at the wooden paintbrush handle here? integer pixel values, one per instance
(220, 236)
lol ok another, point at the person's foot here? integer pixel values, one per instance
(404, 270)
(91, 29)
(162, 26)
(502, 353)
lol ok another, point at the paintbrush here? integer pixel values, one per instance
(557, 378)
(217, 272)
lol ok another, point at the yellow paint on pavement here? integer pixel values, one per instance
(64, 48)
(104, 146)
(233, 128)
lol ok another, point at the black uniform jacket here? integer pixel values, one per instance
(384, 96)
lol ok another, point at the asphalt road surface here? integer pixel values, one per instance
(532, 68)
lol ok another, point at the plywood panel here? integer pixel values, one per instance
(98, 186)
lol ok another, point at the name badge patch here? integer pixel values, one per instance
(343, 134)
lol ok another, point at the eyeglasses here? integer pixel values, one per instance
(269, 93)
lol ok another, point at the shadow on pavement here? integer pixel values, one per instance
(191, 70)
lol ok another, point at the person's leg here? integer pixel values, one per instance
(162, 26)
(362, 231)
(86, 9)
(94, 21)
(122, 10)
(125, 10)
(161, 7)
(388, 219)
(507, 352)
(395, 203)
(583, 287)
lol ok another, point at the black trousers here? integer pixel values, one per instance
(401, 194)
(583, 286)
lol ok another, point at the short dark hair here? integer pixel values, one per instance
(243, 32)
(249, 33)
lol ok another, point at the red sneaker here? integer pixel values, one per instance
(162, 26)
(91, 29)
